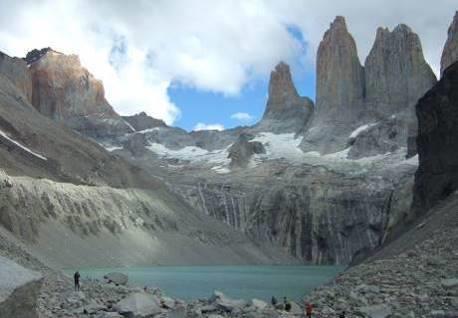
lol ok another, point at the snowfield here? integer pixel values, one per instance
(278, 146)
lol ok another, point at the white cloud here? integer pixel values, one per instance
(243, 117)
(210, 45)
(202, 126)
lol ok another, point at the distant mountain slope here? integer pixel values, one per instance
(74, 203)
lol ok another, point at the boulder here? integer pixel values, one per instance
(139, 305)
(259, 304)
(227, 304)
(167, 302)
(178, 312)
(117, 278)
(450, 283)
(376, 311)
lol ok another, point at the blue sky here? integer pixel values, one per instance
(199, 106)
(216, 108)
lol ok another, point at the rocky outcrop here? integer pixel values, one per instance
(396, 73)
(16, 71)
(340, 76)
(286, 111)
(242, 150)
(65, 91)
(142, 121)
(384, 137)
(450, 52)
(437, 112)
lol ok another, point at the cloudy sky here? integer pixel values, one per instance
(205, 63)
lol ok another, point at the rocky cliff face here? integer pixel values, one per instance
(340, 76)
(396, 73)
(286, 111)
(65, 91)
(450, 52)
(15, 70)
(317, 213)
(437, 112)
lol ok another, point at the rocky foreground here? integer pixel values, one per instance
(53, 296)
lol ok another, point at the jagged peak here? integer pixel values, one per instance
(402, 28)
(281, 82)
(339, 23)
(35, 55)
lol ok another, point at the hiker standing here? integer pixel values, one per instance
(76, 277)
(309, 310)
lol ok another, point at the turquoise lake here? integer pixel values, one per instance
(244, 282)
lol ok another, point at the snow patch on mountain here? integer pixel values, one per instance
(360, 129)
(4, 135)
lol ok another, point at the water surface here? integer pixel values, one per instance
(246, 282)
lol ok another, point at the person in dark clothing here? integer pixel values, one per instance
(342, 314)
(76, 277)
(274, 301)
(287, 304)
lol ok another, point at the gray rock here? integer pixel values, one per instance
(242, 150)
(450, 52)
(227, 304)
(450, 283)
(139, 305)
(377, 311)
(117, 278)
(259, 304)
(167, 302)
(178, 312)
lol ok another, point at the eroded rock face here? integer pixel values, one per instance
(242, 150)
(396, 72)
(316, 214)
(15, 70)
(340, 76)
(286, 111)
(142, 121)
(65, 91)
(437, 142)
(450, 53)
